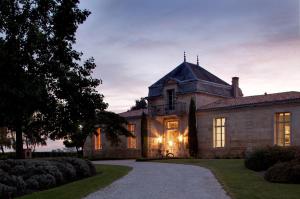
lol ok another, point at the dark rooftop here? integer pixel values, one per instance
(253, 100)
(188, 71)
(192, 78)
(134, 113)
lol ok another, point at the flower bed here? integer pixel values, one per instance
(18, 177)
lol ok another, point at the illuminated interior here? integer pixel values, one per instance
(219, 132)
(131, 141)
(98, 140)
(283, 129)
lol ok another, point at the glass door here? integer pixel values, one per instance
(172, 133)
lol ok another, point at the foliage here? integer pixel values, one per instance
(139, 104)
(114, 126)
(35, 133)
(37, 60)
(263, 158)
(22, 176)
(106, 174)
(192, 133)
(5, 140)
(284, 172)
(144, 135)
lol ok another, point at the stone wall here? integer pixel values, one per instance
(112, 151)
(246, 128)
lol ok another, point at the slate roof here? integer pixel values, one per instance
(192, 78)
(134, 113)
(267, 99)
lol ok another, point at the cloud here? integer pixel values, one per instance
(136, 42)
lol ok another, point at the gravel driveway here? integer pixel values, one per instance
(150, 180)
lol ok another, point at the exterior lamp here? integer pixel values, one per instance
(170, 143)
(159, 139)
(180, 138)
(80, 127)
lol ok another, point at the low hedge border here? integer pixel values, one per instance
(19, 177)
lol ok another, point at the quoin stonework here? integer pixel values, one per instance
(228, 124)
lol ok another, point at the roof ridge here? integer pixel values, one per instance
(190, 69)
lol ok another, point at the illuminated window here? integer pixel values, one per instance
(131, 141)
(172, 125)
(219, 132)
(98, 140)
(171, 99)
(283, 129)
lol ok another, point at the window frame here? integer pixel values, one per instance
(277, 124)
(171, 99)
(98, 144)
(131, 140)
(222, 132)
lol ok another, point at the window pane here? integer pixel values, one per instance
(281, 117)
(219, 132)
(283, 129)
(223, 121)
(172, 125)
(98, 139)
(218, 122)
(287, 117)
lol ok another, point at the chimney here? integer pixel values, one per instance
(235, 87)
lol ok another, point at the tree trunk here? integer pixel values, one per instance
(192, 133)
(144, 137)
(2, 149)
(19, 143)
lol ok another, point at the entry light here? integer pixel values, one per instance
(159, 139)
(180, 138)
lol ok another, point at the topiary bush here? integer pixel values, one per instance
(264, 158)
(81, 167)
(18, 177)
(286, 172)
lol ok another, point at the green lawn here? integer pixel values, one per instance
(242, 183)
(106, 174)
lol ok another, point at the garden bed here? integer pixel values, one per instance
(19, 177)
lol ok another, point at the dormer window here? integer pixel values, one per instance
(171, 99)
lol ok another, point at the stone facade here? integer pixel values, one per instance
(249, 122)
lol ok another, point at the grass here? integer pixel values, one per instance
(106, 174)
(242, 183)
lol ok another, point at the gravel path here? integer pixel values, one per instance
(150, 180)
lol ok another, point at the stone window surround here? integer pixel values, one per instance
(275, 122)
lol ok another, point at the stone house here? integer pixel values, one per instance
(228, 123)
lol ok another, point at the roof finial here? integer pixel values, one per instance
(184, 57)
(197, 60)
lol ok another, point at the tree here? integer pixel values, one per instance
(35, 132)
(192, 133)
(36, 55)
(5, 140)
(144, 135)
(139, 104)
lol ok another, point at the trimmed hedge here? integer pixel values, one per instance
(18, 177)
(287, 172)
(12, 155)
(264, 158)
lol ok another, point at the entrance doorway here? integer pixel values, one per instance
(173, 137)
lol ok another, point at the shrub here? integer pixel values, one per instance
(21, 176)
(7, 191)
(80, 165)
(13, 181)
(67, 170)
(44, 181)
(287, 172)
(264, 158)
